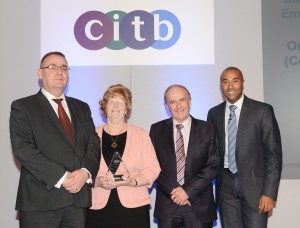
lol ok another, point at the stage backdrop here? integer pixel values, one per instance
(100, 32)
(232, 36)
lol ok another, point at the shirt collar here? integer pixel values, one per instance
(238, 104)
(49, 96)
(185, 123)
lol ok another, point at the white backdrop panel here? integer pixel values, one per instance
(195, 27)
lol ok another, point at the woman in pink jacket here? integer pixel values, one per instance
(128, 167)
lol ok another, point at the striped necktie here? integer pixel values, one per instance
(180, 155)
(232, 132)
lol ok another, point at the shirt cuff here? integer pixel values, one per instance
(89, 180)
(61, 181)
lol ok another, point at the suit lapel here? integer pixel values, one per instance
(170, 135)
(221, 125)
(47, 108)
(192, 141)
(242, 119)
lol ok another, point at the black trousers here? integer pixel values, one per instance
(183, 217)
(68, 217)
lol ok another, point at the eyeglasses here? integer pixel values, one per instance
(56, 68)
(116, 102)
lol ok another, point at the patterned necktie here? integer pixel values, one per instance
(64, 119)
(231, 132)
(180, 155)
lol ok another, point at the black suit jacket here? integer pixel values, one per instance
(258, 149)
(201, 167)
(40, 144)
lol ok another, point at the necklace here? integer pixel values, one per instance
(114, 142)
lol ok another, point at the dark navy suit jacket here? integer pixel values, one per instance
(202, 163)
(40, 144)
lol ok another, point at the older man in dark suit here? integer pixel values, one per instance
(251, 153)
(53, 137)
(187, 151)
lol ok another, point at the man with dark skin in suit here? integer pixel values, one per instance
(247, 192)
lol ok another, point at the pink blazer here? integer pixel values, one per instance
(140, 158)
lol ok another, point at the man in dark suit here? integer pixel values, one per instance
(57, 167)
(248, 180)
(184, 192)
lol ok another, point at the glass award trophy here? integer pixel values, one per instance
(117, 169)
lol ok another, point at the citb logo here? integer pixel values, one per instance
(117, 30)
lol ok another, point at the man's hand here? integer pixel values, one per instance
(179, 197)
(75, 180)
(266, 204)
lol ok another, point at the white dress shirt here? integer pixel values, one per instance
(54, 105)
(237, 111)
(185, 131)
